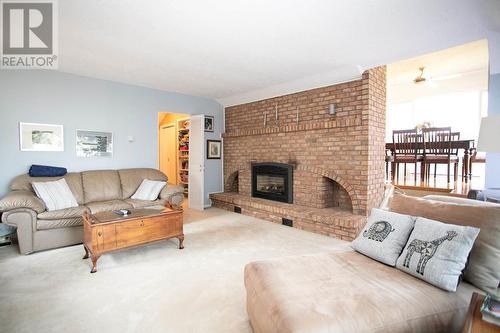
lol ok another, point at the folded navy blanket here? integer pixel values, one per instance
(46, 171)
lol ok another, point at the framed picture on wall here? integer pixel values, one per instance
(214, 149)
(94, 143)
(41, 137)
(209, 124)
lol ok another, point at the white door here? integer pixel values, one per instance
(168, 150)
(196, 163)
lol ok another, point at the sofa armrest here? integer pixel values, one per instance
(21, 199)
(174, 194)
(24, 220)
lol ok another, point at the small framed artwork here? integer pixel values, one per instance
(94, 143)
(209, 124)
(41, 137)
(213, 149)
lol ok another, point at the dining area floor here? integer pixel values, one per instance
(439, 184)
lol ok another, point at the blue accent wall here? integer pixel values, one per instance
(51, 97)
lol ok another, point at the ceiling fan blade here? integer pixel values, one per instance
(446, 77)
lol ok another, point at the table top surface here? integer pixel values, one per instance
(110, 216)
(454, 143)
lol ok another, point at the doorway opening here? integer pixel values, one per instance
(437, 99)
(173, 149)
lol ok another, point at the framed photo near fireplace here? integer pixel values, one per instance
(214, 149)
(209, 123)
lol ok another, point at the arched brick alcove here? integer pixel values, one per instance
(313, 187)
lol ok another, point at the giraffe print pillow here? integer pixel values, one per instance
(437, 252)
(384, 236)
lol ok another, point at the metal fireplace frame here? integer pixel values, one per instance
(273, 169)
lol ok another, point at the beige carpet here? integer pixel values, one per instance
(156, 288)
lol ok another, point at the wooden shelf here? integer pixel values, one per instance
(183, 154)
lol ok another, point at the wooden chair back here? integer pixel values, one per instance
(455, 136)
(437, 141)
(405, 142)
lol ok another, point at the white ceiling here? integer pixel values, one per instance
(237, 51)
(461, 68)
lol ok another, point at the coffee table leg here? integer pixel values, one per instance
(181, 241)
(94, 263)
(86, 256)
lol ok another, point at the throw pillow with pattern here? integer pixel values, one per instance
(384, 236)
(437, 252)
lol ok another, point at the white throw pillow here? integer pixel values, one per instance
(384, 236)
(148, 190)
(437, 252)
(55, 195)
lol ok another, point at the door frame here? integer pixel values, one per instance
(176, 153)
(200, 167)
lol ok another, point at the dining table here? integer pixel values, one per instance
(466, 145)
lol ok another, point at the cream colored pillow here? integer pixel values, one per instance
(148, 190)
(55, 195)
(384, 236)
(437, 252)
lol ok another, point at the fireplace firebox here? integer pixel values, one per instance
(272, 181)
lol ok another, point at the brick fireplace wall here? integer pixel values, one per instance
(338, 160)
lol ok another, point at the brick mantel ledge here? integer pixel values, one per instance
(335, 222)
(345, 121)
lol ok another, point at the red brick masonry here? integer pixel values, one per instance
(339, 160)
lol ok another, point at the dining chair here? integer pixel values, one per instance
(474, 158)
(389, 160)
(437, 150)
(406, 150)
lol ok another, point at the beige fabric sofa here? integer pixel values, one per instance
(348, 292)
(96, 190)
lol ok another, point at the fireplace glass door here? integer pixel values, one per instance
(271, 184)
(272, 181)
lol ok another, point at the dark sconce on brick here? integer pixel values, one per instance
(332, 110)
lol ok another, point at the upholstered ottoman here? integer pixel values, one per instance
(347, 292)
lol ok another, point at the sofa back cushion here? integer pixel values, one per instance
(73, 179)
(131, 179)
(483, 269)
(101, 185)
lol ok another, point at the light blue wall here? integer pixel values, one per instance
(493, 159)
(84, 103)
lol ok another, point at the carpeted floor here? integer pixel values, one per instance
(155, 288)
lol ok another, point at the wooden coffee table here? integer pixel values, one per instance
(106, 231)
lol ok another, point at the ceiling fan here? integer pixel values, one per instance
(421, 79)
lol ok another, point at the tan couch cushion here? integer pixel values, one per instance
(132, 178)
(347, 292)
(60, 223)
(73, 179)
(483, 269)
(63, 213)
(460, 201)
(21, 199)
(145, 203)
(102, 206)
(101, 185)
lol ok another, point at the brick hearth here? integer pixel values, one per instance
(338, 160)
(336, 222)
